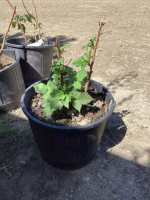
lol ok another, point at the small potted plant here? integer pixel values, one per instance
(36, 54)
(68, 112)
(11, 80)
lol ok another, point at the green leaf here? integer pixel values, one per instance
(72, 75)
(85, 47)
(76, 94)
(77, 85)
(81, 75)
(24, 28)
(55, 104)
(40, 88)
(77, 104)
(66, 101)
(47, 109)
(31, 16)
(88, 55)
(60, 61)
(98, 22)
(80, 62)
(60, 95)
(50, 85)
(40, 25)
(54, 52)
(46, 95)
(94, 39)
(85, 98)
(63, 47)
(19, 26)
(13, 24)
(55, 76)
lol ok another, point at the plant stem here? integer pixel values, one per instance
(1, 51)
(36, 19)
(93, 58)
(59, 56)
(30, 19)
(19, 22)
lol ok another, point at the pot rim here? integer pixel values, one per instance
(64, 128)
(16, 60)
(7, 43)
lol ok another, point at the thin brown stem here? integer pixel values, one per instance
(30, 19)
(59, 56)
(36, 19)
(2, 47)
(93, 58)
(19, 22)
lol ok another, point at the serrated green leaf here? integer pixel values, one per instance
(60, 61)
(55, 76)
(40, 88)
(66, 101)
(60, 95)
(54, 53)
(50, 85)
(55, 104)
(31, 16)
(47, 109)
(88, 55)
(76, 94)
(85, 98)
(24, 28)
(85, 47)
(81, 75)
(46, 95)
(63, 47)
(13, 24)
(77, 85)
(72, 75)
(94, 39)
(81, 62)
(77, 104)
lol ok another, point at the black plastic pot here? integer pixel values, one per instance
(11, 83)
(35, 60)
(67, 147)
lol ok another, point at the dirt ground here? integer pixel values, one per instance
(121, 167)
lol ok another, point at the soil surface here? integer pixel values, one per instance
(5, 62)
(121, 167)
(70, 117)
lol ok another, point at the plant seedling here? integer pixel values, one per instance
(68, 90)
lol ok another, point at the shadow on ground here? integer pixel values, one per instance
(27, 175)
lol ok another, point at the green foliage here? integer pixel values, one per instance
(24, 19)
(55, 94)
(61, 49)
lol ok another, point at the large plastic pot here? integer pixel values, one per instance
(35, 60)
(67, 147)
(11, 83)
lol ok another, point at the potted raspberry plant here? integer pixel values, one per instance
(68, 94)
(35, 53)
(11, 80)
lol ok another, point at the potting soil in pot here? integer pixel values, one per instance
(5, 62)
(70, 117)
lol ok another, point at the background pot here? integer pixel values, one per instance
(68, 147)
(11, 83)
(35, 60)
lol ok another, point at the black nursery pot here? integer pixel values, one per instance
(68, 147)
(11, 83)
(35, 61)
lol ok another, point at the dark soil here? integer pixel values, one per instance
(5, 62)
(70, 117)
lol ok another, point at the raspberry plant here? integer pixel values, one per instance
(67, 86)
